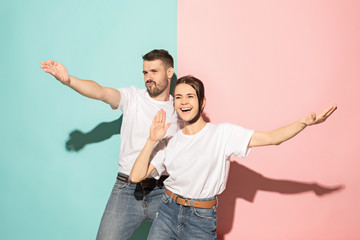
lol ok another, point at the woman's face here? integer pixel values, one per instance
(186, 102)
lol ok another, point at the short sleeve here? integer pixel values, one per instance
(237, 139)
(126, 94)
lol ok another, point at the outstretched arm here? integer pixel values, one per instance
(86, 88)
(142, 168)
(283, 134)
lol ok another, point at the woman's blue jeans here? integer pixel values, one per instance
(175, 221)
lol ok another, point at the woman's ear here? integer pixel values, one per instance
(203, 104)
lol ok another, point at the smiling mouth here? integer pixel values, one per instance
(185, 109)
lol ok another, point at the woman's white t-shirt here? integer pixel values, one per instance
(198, 164)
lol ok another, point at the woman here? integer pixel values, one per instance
(197, 160)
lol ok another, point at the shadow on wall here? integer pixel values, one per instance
(105, 130)
(244, 183)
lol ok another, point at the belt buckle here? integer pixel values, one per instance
(176, 199)
(185, 200)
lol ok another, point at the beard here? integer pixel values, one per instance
(156, 89)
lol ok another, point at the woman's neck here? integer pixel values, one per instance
(191, 129)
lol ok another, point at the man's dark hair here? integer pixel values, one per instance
(199, 89)
(160, 54)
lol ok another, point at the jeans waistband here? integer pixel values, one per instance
(147, 182)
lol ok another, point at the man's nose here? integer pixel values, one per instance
(148, 76)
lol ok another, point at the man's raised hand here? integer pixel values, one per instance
(57, 70)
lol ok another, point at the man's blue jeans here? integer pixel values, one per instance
(128, 206)
(174, 221)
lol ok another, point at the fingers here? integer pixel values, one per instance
(49, 70)
(316, 119)
(157, 120)
(47, 66)
(160, 117)
(154, 120)
(48, 63)
(327, 112)
(43, 65)
(163, 116)
(331, 110)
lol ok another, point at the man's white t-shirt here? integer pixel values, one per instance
(198, 165)
(139, 110)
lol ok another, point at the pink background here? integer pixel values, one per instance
(266, 64)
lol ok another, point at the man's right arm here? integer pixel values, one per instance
(86, 88)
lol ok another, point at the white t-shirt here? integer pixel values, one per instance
(139, 110)
(198, 165)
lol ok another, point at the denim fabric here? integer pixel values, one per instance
(128, 206)
(174, 221)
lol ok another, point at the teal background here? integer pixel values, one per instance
(48, 192)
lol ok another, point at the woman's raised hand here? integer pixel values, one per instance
(158, 128)
(319, 118)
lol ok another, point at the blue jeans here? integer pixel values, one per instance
(175, 221)
(128, 206)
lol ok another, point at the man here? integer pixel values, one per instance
(130, 204)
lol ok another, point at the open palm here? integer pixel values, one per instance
(158, 128)
(57, 70)
(319, 118)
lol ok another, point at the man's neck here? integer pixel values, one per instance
(162, 97)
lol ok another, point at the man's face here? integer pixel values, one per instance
(155, 77)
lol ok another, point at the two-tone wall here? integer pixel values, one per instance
(264, 64)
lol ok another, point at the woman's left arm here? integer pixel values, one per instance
(280, 135)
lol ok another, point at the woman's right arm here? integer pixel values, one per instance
(142, 168)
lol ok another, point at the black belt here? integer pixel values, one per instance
(147, 182)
